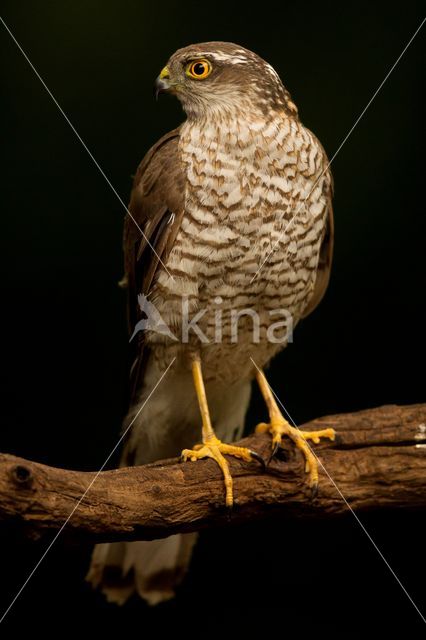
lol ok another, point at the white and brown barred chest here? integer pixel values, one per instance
(255, 214)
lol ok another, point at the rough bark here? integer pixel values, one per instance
(377, 461)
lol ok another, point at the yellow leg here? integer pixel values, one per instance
(212, 447)
(279, 427)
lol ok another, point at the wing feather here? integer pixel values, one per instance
(324, 264)
(326, 249)
(156, 208)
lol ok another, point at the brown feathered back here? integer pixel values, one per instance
(156, 208)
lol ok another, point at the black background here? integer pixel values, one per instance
(64, 334)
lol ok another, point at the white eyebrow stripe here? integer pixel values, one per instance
(272, 71)
(224, 57)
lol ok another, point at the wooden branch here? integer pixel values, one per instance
(378, 460)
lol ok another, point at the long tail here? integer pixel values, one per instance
(151, 569)
(169, 423)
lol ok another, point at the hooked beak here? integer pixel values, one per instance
(162, 83)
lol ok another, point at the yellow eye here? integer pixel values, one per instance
(199, 69)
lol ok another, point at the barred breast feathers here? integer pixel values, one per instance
(247, 179)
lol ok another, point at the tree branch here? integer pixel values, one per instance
(378, 460)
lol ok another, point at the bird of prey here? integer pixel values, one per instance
(230, 219)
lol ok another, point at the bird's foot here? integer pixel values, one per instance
(214, 448)
(279, 427)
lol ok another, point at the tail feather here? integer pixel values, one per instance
(152, 569)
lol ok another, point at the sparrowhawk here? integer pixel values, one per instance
(230, 225)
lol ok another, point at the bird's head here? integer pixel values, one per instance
(222, 77)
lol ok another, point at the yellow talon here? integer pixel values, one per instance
(262, 427)
(279, 427)
(214, 448)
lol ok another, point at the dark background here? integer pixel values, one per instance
(64, 333)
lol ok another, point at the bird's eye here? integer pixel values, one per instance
(199, 69)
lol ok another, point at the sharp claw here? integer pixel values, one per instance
(259, 459)
(314, 491)
(274, 453)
